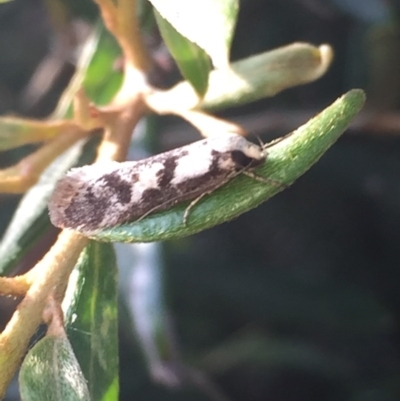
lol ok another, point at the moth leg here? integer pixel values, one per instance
(195, 201)
(265, 180)
(191, 205)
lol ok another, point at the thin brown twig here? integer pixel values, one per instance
(14, 286)
(22, 176)
(122, 21)
(53, 270)
(25, 320)
(51, 273)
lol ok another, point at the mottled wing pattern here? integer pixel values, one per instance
(104, 195)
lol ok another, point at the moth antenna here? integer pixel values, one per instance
(199, 198)
(260, 142)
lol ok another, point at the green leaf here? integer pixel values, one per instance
(95, 71)
(208, 23)
(51, 372)
(91, 315)
(31, 221)
(250, 79)
(101, 81)
(148, 311)
(15, 132)
(192, 61)
(266, 74)
(287, 160)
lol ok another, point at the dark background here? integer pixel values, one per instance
(297, 299)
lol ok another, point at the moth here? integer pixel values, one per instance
(104, 195)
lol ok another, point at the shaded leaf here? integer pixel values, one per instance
(96, 70)
(193, 62)
(103, 78)
(51, 372)
(30, 221)
(90, 307)
(255, 349)
(142, 283)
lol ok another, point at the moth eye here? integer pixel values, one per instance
(241, 160)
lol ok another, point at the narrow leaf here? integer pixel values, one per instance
(286, 161)
(255, 349)
(145, 300)
(253, 78)
(16, 132)
(31, 220)
(101, 81)
(208, 23)
(90, 309)
(193, 62)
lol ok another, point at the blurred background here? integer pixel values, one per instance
(295, 300)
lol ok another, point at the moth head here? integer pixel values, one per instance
(247, 154)
(241, 150)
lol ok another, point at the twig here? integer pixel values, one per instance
(53, 270)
